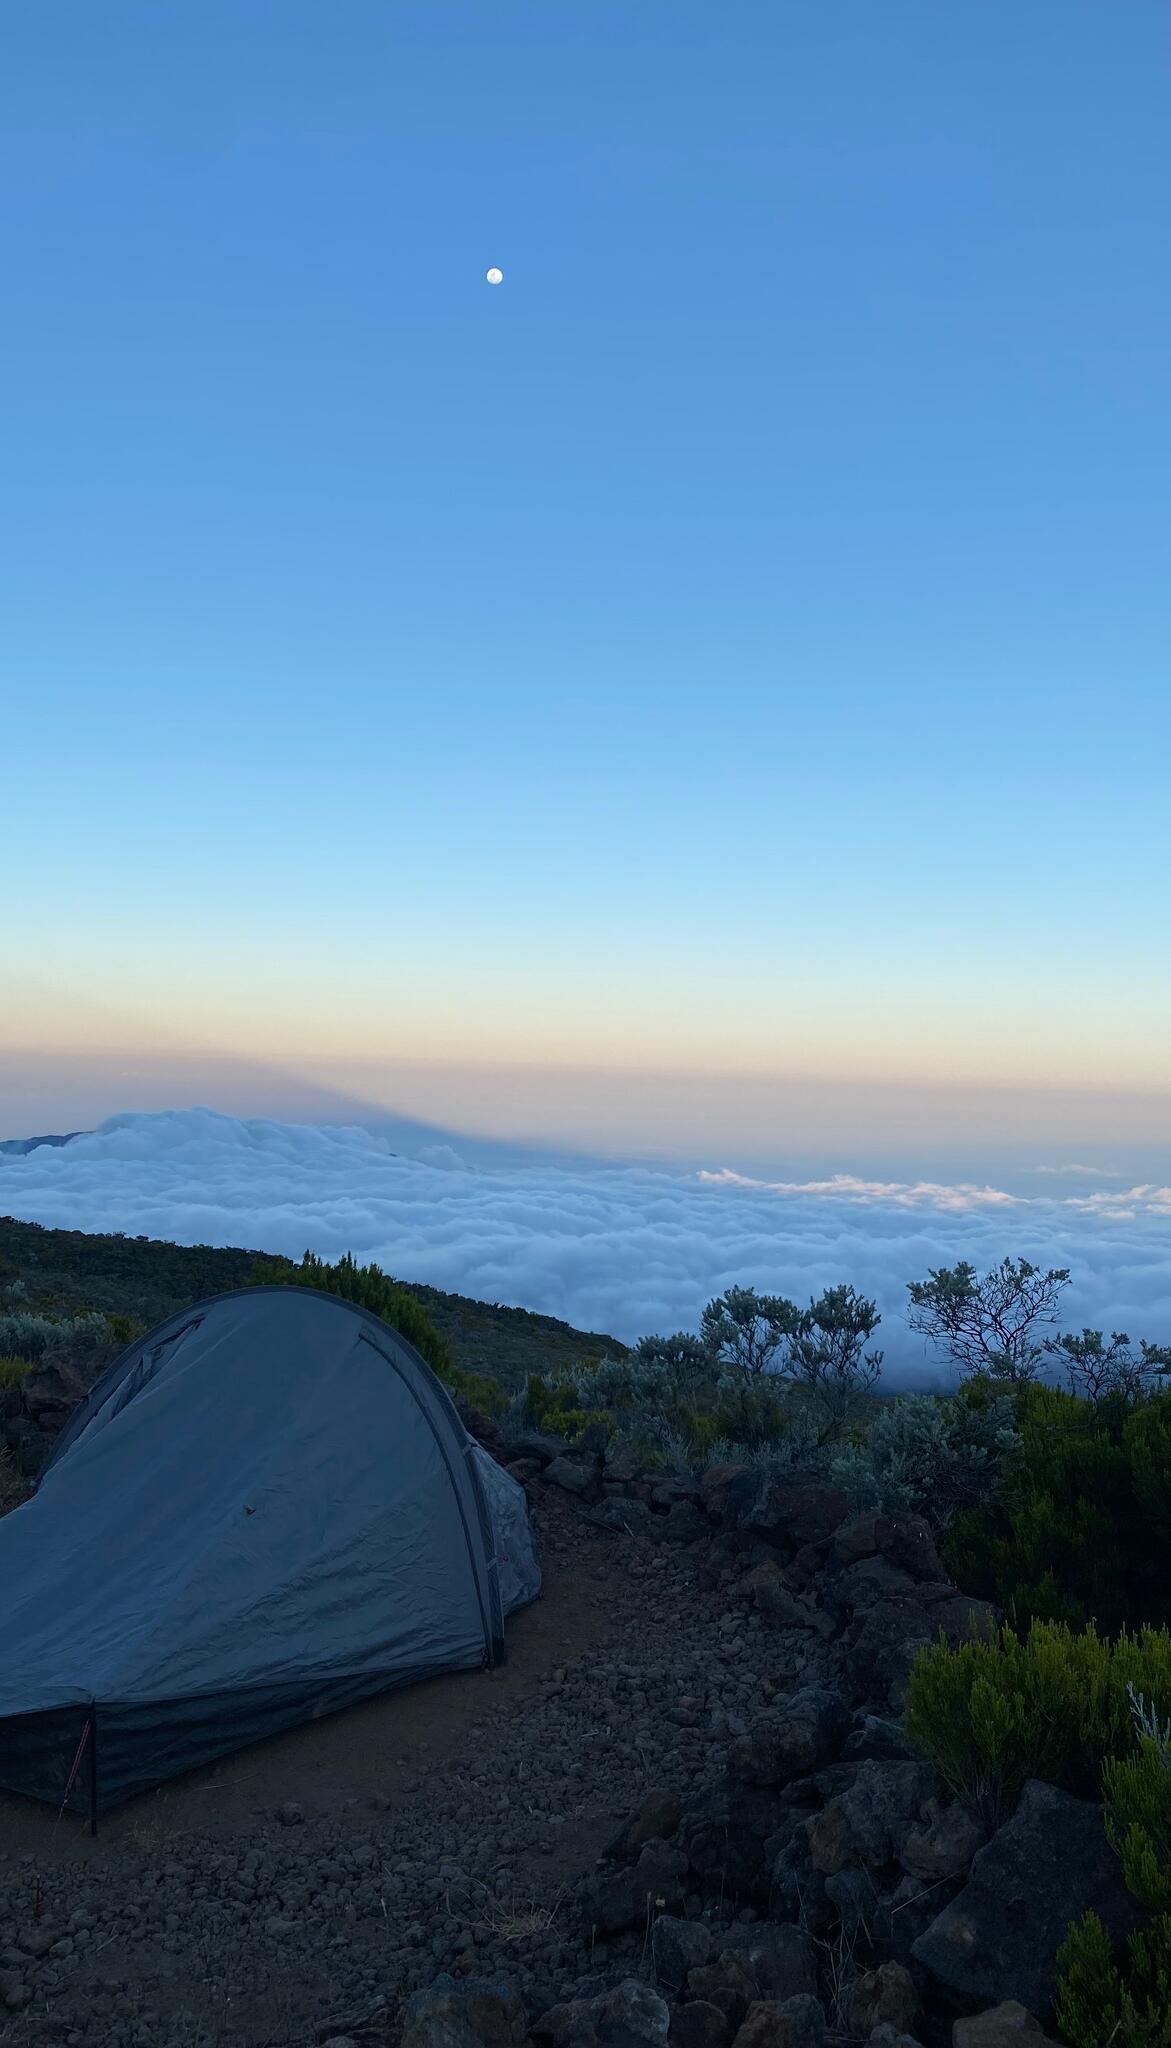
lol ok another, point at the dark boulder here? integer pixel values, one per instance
(51, 1391)
(1004, 2026)
(798, 1891)
(873, 1740)
(677, 1947)
(578, 1472)
(699, 2024)
(944, 1843)
(790, 1514)
(728, 1984)
(793, 2023)
(473, 2013)
(1041, 1871)
(905, 1542)
(885, 1997)
(656, 1821)
(624, 1464)
(630, 2015)
(725, 1836)
(629, 1897)
(793, 1741)
(888, 1637)
(725, 1490)
(766, 1587)
(781, 1959)
(632, 1517)
(536, 1444)
(682, 1523)
(868, 1824)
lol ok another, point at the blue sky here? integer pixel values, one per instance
(736, 646)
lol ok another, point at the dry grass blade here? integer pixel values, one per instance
(516, 1922)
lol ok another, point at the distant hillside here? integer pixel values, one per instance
(148, 1278)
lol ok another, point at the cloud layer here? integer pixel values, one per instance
(624, 1250)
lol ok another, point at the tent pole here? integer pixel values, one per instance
(93, 1772)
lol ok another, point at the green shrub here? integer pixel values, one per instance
(1054, 1705)
(551, 1408)
(1137, 1791)
(1103, 1997)
(1096, 1369)
(1080, 1527)
(124, 1329)
(989, 1323)
(13, 1370)
(537, 1399)
(577, 1425)
(474, 1389)
(1104, 2004)
(744, 1330)
(1147, 1442)
(753, 1413)
(671, 1399)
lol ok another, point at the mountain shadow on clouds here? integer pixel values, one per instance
(95, 1089)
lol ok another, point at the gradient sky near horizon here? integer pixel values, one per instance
(736, 648)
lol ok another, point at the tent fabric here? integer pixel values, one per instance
(266, 1509)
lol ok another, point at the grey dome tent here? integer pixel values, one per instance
(266, 1510)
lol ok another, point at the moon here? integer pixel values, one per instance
(495, 276)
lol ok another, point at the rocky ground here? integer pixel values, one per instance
(685, 1816)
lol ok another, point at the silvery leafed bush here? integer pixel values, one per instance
(928, 1454)
(23, 1335)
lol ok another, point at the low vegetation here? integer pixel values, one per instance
(1072, 1542)
(935, 1455)
(1079, 1527)
(1071, 1707)
(1125, 1998)
(1054, 1703)
(676, 1408)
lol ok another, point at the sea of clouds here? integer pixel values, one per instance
(609, 1248)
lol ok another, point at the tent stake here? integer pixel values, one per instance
(93, 1773)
